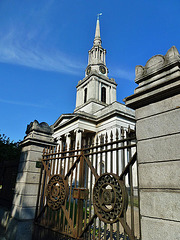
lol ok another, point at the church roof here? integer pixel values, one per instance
(114, 109)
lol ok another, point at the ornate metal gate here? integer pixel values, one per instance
(90, 193)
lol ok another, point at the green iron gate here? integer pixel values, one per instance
(90, 193)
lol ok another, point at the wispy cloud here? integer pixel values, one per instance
(126, 74)
(22, 103)
(24, 42)
(15, 50)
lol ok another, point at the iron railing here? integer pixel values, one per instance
(92, 192)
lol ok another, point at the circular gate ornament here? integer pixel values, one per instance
(109, 198)
(56, 191)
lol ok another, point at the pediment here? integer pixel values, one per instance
(62, 119)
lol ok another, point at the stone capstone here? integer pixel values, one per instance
(39, 127)
(156, 63)
(157, 81)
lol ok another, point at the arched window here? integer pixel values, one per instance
(85, 95)
(103, 94)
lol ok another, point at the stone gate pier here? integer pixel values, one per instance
(20, 223)
(156, 101)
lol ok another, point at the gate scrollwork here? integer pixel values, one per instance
(56, 191)
(109, 198)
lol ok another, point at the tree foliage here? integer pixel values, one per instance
(9, 150)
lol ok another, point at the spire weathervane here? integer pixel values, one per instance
(99, 14)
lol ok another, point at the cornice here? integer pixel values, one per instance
(96, 74)
(37, 142)
(96, 119)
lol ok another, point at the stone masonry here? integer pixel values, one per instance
(27, 182)
(157, 104)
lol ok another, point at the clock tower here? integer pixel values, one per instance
(96, 90)
(97, 55)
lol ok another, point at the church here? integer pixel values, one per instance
(84, 183)
(91, 143)
(97, 112)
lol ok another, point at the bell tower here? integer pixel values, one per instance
(97, 54)
(96, 90)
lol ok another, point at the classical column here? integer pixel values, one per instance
(157, 108)
(97, 88)
(59, 142)
(77, 98)
(89, 57)
(68, 140)
(108, 101)
(104, 56)
(113, 94)
(78, 133)
(99, 91)
(94, 53)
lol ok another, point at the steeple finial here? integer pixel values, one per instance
(99, 14)
(97, 39)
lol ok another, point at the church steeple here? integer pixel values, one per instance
(97, 54)
(96, 90)
(97, 39)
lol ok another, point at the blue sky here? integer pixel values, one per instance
(44, 51)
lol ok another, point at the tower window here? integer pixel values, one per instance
(103, 94)
(85, 95)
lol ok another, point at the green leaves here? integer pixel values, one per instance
(9, 150)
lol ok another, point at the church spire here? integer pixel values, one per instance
(96, 90)
(97, 54)
(97, 39)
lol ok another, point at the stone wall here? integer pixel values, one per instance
(157, 104)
